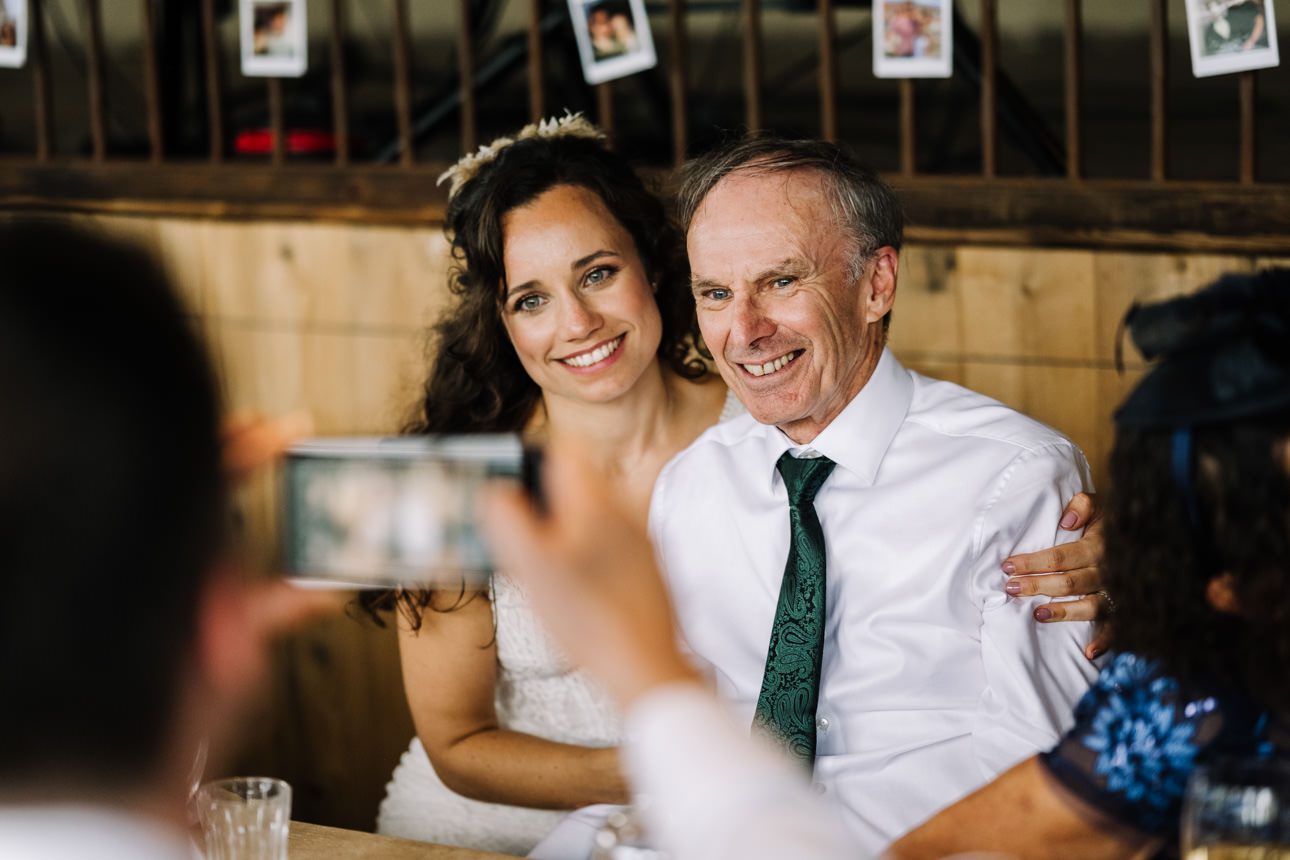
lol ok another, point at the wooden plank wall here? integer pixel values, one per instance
(330, 319)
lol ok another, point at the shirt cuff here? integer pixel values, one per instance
(700, 779)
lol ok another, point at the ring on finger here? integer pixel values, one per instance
(1106, 600)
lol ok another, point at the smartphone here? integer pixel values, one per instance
(384, 513)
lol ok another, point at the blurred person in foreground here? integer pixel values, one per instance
(130, 634)
(1197, 542)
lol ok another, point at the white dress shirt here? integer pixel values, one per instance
(84, 832)
(934, 680)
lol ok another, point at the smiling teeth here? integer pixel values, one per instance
(598, 354)
(771, 366)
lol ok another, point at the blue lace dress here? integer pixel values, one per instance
(1139, 734)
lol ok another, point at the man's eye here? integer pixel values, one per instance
(530, 303)
(780, 283)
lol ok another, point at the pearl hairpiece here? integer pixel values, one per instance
(569, 125)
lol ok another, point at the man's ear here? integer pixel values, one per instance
(1221, 594)
(230, 649)
(881, 272)
(240, 616)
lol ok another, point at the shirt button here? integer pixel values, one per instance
(822, 724)
(818, 787)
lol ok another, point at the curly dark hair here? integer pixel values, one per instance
(1159, 564)
(476, 383)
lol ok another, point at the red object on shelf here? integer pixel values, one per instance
(300, 141)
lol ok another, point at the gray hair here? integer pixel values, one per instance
(863, 204)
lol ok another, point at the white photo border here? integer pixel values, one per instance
(598, 71)
(913, 67)
(1226, 64)
(16, 56)
(274, 67)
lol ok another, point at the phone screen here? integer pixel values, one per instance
(381, 513)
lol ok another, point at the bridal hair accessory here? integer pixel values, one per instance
(569, 125)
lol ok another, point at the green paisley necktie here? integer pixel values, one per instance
(790, 687)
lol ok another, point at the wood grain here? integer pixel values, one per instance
(315, 842)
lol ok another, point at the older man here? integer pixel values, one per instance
(834, 556)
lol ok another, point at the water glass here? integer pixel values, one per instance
(245, 818)
(1237, 809)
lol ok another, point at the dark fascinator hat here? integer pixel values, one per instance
(1223, 354)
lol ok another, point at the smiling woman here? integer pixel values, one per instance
(583, 319)
(573, 319)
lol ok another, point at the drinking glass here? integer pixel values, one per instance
(245, 818)
(1237, 809)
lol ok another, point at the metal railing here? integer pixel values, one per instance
(1151, 211)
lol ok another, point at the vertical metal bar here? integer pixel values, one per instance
(908, 128)
(1159, 72)
(402, 82)
(752, 64)
(989, 63)
(466, 72)
(276, 122)
(678, 75)
(1072, 37)
(1249, 149)
(605, 109)
(40, 81)
(214, 89)
(152, 83)
(828, 70)
(94, 62)
(339, 92)
(537, 93)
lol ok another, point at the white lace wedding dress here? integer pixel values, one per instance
(538, 693)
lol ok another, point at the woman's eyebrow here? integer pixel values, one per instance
(519, 289)
(594, 255)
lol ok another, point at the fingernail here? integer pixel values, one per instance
(1095, 653)
(1010, 568)
(1013, 588)
(1069, 520)
(1043, 613)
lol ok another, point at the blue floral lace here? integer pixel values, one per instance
(1138, 736)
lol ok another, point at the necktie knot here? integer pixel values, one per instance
(803, 477)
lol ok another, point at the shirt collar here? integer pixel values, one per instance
(859, 437)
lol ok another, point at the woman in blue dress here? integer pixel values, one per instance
(1198, 561)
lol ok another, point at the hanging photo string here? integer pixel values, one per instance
(274, 38)
(1231, 36)
(614, 38)
(913, 38)
(13, 33)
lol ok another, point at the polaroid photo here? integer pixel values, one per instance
(274, 38)
(13, 33)
(913, 38)
(614, 38)
(1231, 36)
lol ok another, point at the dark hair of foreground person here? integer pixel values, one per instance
(112, 506)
